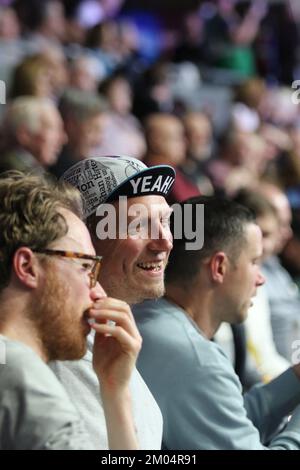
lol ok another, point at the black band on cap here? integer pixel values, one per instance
(154, 180)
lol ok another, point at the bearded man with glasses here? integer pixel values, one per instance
(50, 300)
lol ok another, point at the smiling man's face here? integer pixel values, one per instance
(133, 268)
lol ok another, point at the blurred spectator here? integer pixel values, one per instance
(250, 92)
(9, 24)
(85, 73)
(43, 22)
(165, 139)
(199, 141)
(91, 12)
(289, 169)
(199, 135)
(229, 36)
(277, 46)
(31, 77)
(33, 134)
(87, 13)
(283, 294)
(11, 47)
(74, 29)
(281, 204)
(292, 173)
(290, 256)
(133, 64)
(278, 108)
(57, 63)
(245, 111)
(259, 333)
(278, 154)
(277, 140)
(166, 146)
(153, 93)
(241, 162)
(43, 74)
(190, 47)
(121, 123)
(115, 43)
(84, 116)
(103, 40)
(81, 15)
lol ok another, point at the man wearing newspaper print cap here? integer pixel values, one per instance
(104, 179)
(132, 269)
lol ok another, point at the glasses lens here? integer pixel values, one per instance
(95, 273)
(87, 262)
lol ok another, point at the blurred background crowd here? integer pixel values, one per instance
(209, 87)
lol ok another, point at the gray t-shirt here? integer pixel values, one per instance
(200, 395)
(80, 381)
(35, 411)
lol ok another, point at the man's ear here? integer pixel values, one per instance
(218, 266)
(25, 267)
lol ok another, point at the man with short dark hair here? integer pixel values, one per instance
(191, 378)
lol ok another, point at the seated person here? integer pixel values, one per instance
(132, 270)
(43, 243)
(190, 376)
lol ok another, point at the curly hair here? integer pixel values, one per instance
(30, 216)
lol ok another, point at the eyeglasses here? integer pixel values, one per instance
(92, 269)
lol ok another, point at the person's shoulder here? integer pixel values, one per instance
(25, 370)
(35, 405)
(168, 331)
(159, 317)
(26, 374)
(18, 160)
(18, 355)
(10, 161)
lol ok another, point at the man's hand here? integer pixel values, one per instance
(116, 346)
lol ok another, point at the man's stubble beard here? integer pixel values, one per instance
(130, 293)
